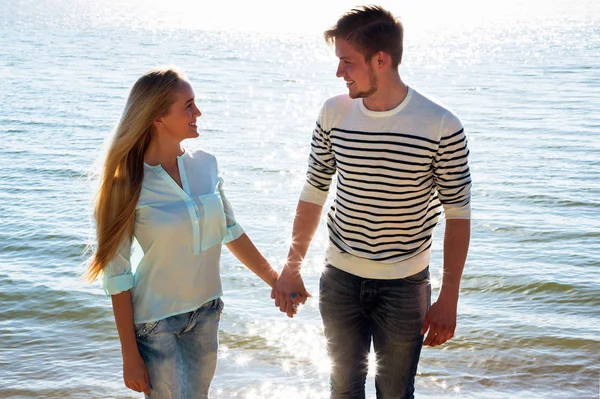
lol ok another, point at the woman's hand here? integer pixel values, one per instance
(135, 374)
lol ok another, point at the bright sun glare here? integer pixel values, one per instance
(313, 16)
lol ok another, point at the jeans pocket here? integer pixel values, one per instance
(142, 330)
(216, 305)
(421, 277)
(221, 305)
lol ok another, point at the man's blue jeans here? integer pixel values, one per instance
(391, 313)
(180, 352)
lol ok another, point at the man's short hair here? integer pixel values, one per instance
(369, 29)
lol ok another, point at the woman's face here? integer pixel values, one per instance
(180, 120)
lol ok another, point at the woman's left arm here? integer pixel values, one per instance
(243, 248)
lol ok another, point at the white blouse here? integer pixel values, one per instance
(180, 231)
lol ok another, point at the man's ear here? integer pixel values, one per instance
(382, 58)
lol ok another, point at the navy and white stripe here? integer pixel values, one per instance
(392, 184)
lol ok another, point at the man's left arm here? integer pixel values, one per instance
(452, 178)
(441, 317)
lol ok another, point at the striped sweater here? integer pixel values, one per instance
(396, 171)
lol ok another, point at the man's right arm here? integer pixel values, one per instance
(306, 221)
(321, 168)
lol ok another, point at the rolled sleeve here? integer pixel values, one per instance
(233, 233)
(312, 194)
(234, 229)
(452, 175)
(114, 285)
(461, 212)
(117, 275)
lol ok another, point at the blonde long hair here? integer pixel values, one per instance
(123, 168)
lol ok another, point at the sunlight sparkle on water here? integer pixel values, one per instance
(223, 352)
(242, 360)
(286, 366)
(288, 338)
(300, 17)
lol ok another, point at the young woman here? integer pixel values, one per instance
(171, 201)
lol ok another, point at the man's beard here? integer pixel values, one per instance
(373, 85)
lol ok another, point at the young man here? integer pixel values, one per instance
(400, 159)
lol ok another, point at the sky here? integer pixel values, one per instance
(311, 16)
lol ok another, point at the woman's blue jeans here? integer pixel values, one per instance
(180, 352)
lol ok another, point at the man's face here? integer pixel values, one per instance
(358, 74)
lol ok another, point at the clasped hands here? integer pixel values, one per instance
(289, 291)
(439, 326)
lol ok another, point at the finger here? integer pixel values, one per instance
(290, 309)
(425, 325)
(428, 339)
(443, 334)
(303, 297)
(285, 297)
(298, 299)
(146, 386)
(283, 306)
(439, 339)
(430, 335)
(273, 295)
(134, 386)
(277, 300)
(140, 386)
(446, 337)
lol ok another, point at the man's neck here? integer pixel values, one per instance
(390, 94)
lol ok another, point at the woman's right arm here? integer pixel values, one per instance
(135, 374)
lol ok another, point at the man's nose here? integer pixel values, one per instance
(340, 70)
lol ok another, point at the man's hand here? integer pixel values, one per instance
(135, 374)
(440, 320)
(289, 291)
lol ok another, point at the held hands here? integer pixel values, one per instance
(440, 320)
(135, 374)
(289, 291)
